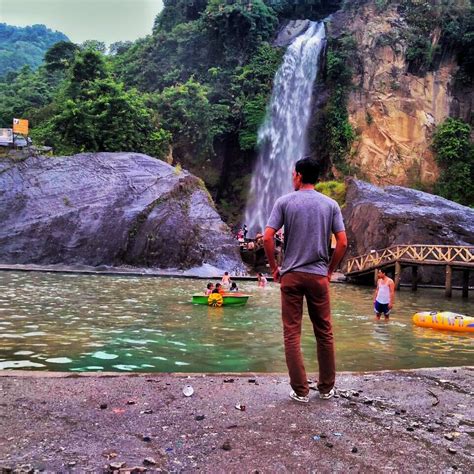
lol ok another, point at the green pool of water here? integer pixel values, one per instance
(103, 323)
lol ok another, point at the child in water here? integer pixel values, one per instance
(234, 287)
(262, 281)
(226, 280)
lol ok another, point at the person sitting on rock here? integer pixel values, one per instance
(234, 287)
(209, 288)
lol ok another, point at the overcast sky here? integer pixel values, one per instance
(103, 20)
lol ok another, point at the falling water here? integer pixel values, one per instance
(282, 138)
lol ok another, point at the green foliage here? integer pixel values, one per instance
(334, 137)
(25, 46)
(455, 155)
(311, 9)
(333, 189)
(24, 94)
(452, 20)
(187, 114)
(93, 112)
(252, 86)
(60, 56)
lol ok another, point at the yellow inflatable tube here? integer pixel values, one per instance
(444, 320)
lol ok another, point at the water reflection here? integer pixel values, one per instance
(93, 323)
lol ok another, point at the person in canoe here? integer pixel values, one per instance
(218, 289)
(209, 288)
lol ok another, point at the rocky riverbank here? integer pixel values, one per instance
(417, 420)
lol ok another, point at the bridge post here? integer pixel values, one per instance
(448, 292)
(465, 283)
(375, 276)
(414, 277)
(398, 275)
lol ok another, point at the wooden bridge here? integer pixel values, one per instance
(452, 257)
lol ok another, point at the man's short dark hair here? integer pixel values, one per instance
(309, 170)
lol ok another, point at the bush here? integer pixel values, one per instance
(455, 156)
(333, 189)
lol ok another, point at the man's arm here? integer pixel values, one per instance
(339, 251)
(269, 246)
(391, 286)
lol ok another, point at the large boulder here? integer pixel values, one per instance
(377, 218)
(109, 209)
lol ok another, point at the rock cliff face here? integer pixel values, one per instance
(394, 112)
(109, 209)
(377, 218)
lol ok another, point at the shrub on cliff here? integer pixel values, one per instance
(455, 155)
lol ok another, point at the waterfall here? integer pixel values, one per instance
(282, 138)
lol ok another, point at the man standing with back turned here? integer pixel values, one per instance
(309, 219)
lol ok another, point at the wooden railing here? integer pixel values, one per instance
(462, 256)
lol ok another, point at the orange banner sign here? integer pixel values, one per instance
(20, 126)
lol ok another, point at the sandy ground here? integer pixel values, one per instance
(393, 421)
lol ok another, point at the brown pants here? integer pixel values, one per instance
(295, 286)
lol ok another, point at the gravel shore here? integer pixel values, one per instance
(413, 420)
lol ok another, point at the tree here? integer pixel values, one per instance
(60, 56)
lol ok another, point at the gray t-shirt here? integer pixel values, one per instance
(309, 218)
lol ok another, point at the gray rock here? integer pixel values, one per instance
(109, 209)
(289, 31)
(377, 218)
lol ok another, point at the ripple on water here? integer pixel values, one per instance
(59, 360)
(126, 367)
(103, 355)
(18, 364)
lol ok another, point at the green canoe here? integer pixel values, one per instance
(237, 299)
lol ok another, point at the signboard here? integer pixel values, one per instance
(6, 136)
(20, 126)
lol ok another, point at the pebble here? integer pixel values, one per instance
(114, 466)
(131, 402)
(199, 417)
(410, 428)
(226, 446)
(72, 463)
(103, 406)
(449, 437)
(452, 451)
(354, 450)
(146, 438)
(149, 462)
(228, 380)
(329, 445)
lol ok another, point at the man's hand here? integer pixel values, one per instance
(276, 275)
